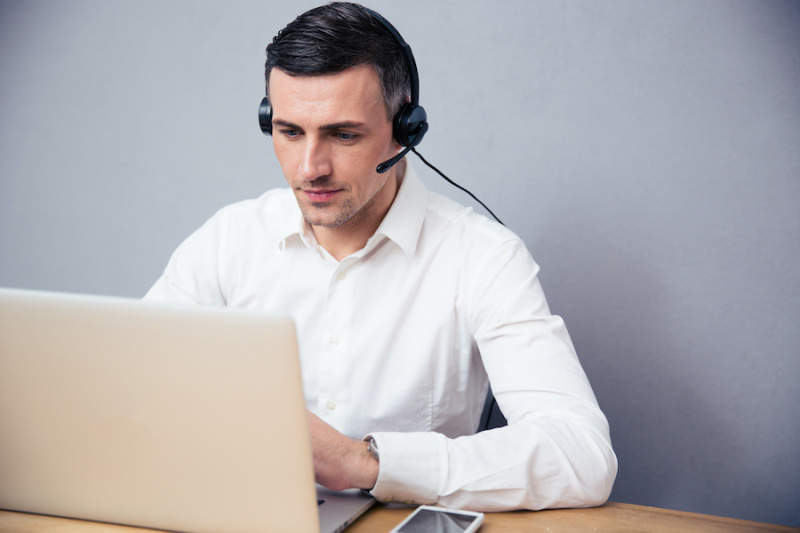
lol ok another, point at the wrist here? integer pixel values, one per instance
(372, 448)
(369, 460)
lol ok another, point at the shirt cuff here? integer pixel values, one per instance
(411, 467)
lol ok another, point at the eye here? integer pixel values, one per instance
(290, 133)
(346, 137)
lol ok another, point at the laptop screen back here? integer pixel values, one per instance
(178, 418)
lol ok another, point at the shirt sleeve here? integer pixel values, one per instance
(192, 274)
(555, 451)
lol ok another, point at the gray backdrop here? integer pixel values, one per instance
(646, 151)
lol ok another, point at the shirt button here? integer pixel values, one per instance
(331, 405)
(334, 341)
(342, 275)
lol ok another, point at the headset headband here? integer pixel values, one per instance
(410, 62)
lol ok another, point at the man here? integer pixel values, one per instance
(406, 304)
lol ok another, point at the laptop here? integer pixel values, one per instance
(179, 418)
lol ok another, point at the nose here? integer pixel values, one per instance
(316, 161)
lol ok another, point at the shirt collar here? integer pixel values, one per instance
(402, 223)
(293, 224)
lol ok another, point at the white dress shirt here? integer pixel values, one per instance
(398, 340)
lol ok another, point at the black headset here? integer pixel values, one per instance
(409, 124)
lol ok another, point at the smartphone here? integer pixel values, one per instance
(427, 519)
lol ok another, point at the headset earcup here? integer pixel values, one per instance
(265, 116)
(408, 125)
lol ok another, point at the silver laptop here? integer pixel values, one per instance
(171, 417)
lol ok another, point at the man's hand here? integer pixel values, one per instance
(340, 462)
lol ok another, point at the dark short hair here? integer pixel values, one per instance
(337, 36)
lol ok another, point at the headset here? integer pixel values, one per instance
(408, 125)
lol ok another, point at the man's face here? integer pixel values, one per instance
(330, 132)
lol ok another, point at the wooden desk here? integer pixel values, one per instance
(612, 517)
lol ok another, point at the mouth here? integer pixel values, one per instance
(320, 195)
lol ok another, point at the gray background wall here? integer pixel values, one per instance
(646, 151)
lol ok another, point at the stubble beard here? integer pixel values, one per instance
(329, 216)
(336, 216)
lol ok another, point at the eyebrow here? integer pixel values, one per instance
(326, 127)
